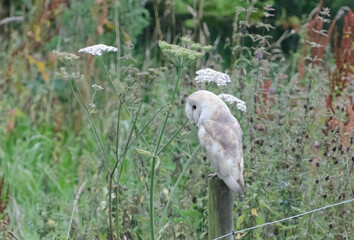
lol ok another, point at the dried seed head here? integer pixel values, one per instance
(259, 142)
(338, 130)
(259, 127)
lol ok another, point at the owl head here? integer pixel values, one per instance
(203, 105)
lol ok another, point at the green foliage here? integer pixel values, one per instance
(211, 7)
(145, 173)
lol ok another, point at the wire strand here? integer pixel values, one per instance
(284, 219)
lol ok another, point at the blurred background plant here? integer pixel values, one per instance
(117, 121)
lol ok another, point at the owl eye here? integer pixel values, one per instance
(194, 107)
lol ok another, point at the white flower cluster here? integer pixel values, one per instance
(65, 55)
(98, 49)
(232, 99)
(97, 87)
(210, 75)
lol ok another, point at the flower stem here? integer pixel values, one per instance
(120, 99)
(81, 101)
(154, 158)
(176, 185)
(111, 180)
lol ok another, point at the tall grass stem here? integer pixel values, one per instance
(92, 123)
(190, 157)
(154, 158)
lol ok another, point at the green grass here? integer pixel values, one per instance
(293, 161)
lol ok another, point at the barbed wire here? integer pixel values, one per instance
(284, 219)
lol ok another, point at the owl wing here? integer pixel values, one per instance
(228, 134)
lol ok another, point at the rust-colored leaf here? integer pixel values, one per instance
(11, 120)
(343, 74)
(103, 20)
(41, 67)
(266, 101)
(4, 199)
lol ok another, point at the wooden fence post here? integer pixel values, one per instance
(220, 209)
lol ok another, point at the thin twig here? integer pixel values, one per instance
(163, 149)
(111, 176)
(17, 216)
(81, 101)
(116, 21)
(75, 208)
(12, 235)
(120, 98)
(52, 89)
(11, 19)
(190, 157)
(114, 169)
(155, 156)
(137, 136)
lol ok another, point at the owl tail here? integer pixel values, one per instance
(233, 185)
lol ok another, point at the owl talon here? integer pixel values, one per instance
(213, 175)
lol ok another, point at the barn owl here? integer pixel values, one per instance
(221, 135)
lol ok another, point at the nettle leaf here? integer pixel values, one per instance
(260, 219)
(240, 220)
(254, 212)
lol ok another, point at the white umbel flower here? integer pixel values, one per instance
(210, 75)
(232, 99)
(98, 49)
(97, 87)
